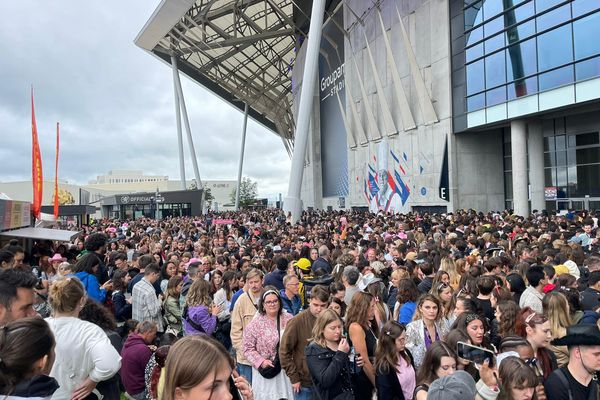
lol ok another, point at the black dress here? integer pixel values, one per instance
(363, 388)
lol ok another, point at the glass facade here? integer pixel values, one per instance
(516, 48)
(571, 165)
(134, 211)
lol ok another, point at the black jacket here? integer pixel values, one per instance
(388, 387)
(321, 263)
(40, 386)
(330, 372)
(121, 307)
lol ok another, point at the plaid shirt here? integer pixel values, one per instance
(145, 304)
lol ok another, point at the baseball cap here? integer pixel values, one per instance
(458, 386)
(303, 264)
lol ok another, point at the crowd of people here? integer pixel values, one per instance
(339, 305)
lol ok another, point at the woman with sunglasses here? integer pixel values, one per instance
(395, 373)
(261, 346)
(536, 328)
(444, 291)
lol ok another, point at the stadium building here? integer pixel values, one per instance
(403, 105)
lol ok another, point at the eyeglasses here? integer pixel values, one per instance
(272, 302)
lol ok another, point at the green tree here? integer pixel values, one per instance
(248, 193)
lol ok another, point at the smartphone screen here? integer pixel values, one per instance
(475, 354)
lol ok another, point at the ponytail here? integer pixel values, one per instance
(22, 343)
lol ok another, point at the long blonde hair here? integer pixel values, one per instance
(556, 308)
(199, 294)
(447, 264)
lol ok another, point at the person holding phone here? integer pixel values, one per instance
(199, 313)
(213, 379)
(439, 361)
(327, 358)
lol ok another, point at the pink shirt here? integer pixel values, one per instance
(260, 338)
(406, 378)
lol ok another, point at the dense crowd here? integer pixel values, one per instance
(339, 305)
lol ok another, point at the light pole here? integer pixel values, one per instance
(158, 198)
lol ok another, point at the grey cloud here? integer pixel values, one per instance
(114, 101)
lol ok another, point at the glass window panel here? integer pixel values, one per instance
(474, 36)
(520, 32)
(571, 156)
(587, 69)
(572, 175)
(587, 32)
(493, 26)
(587, 139)
(555, 48)
(549, 160)
(588, 156)
(521, 60)
(556, 78)
(522, 87)
(588, 180)
(581, 7)
(507, 149)
(474, 52)
(541, 5)
(476, 102)
(496, 96)
(548, 177)
(494, 43)
(508, 184)
(551, 206)
(473, 15)
(561, 158)
(561, 142)
(520, 13)
(561, 177)
(475, 77)
(549, 143)
(507, 164)
(553, 18)
(495, 70)
(491, 8)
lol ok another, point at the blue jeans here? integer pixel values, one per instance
(304, 394)
(245, 371)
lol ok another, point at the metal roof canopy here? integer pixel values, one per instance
(241, 50)
(42, 234)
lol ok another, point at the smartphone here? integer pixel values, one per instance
(474, 354)
(235, 393)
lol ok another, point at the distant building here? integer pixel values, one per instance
(117, 182)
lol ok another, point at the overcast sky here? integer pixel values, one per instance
(113, 100)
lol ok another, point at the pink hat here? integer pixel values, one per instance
(57, 257)
(193, 260)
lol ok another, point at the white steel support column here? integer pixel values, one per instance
(535, 153)
(292, 202)
(178, 119)
(186, 123)
(518, 145)
(241, 164)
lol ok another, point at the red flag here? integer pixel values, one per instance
(36, 165)
(56, 174)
